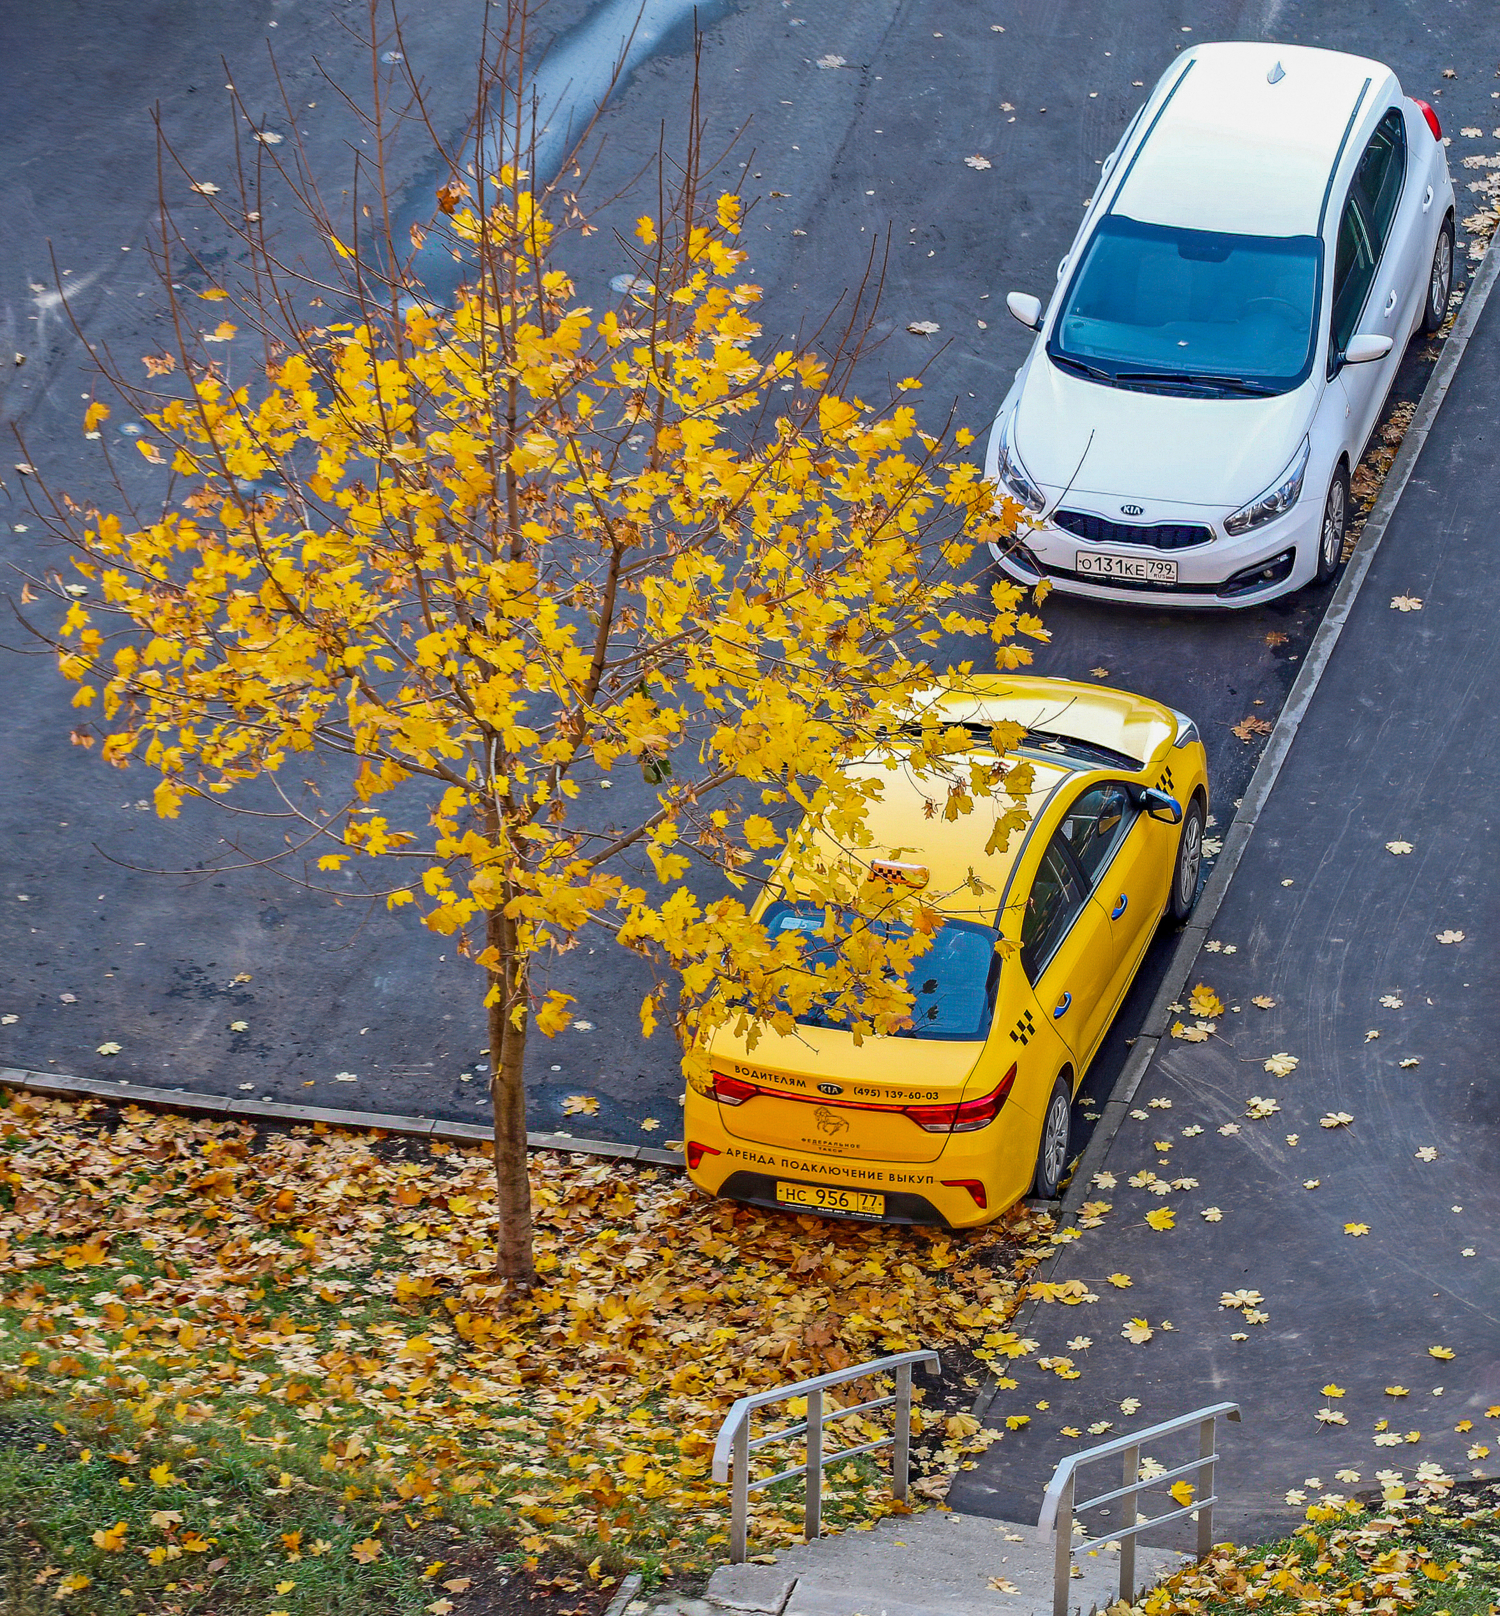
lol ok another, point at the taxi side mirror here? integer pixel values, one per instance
(1161, 806)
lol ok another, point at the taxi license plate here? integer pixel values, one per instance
(1088, 565)
(820, 1199)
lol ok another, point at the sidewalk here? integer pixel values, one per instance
(1381, 968)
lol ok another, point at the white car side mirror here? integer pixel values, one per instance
(1028, 310)
(1362, 350)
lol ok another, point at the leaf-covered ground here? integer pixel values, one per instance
(255, 1371)
(1437, 1554)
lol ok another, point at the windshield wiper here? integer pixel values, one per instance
(1092, 371)
(1185, 378)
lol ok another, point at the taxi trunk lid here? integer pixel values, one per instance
(886, 1099)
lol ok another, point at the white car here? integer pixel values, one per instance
(1273, 226)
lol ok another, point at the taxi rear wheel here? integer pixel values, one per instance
(1052, 1153)
(1188, 870)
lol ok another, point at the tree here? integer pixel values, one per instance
(473, 562)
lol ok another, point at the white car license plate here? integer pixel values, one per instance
(1112, 566)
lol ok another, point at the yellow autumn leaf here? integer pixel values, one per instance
(1204, 1002)
(222, 332)
(1183, 1492)
(1440, 1352)
(1161, 1217)
(367, 1550)
(112, 1539)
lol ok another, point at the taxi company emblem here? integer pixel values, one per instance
(829, 1121)
(830, 1088)
(1132, 510)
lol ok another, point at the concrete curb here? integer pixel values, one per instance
(1299, 699)
(60, 1087)
(629, 1587)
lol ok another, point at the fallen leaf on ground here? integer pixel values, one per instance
(1264, 1001)
(1450, 936)
(1211, 1214)
(580, 1105)
(976, 161)
(1335, 1119)
(1356, 1228)
(1137, 1332)
(1003, 1585)
(1440, 1352)
(830, 61)
(1162, 1217)
(1410, 1061)
(1427, 1153)
(1389, 1001)
(1204, 1002)
(922, 328)
(1398, 847)
(1406, 603)
(1248, 728)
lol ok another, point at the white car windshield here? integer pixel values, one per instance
(1192, 311)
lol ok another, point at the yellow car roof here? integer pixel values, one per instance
(1133, 725)
(904, 829)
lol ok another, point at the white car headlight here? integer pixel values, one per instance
(1012, 474)
(1277, 499)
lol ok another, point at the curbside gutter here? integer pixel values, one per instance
(1237, 839)
(59, 1087)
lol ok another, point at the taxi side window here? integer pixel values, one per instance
(1095, 826)
(1055, 898)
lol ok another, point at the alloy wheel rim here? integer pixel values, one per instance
(1057, 1140)
(1333, 526)
(1442, 271)
(1192, 853)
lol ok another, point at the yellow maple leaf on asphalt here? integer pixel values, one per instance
(585, 1105)
(1204, 1002)
(1356, 1228)
(1331, 1390)
(1396, 1391)
(1162, 1217)
(1264, 1001)
(1137, 1332)
(1183, 1492)
(1440, 1352)
(1121, 1281)
(1282, 1064)
(1014, 1422)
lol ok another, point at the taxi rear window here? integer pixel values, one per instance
(953, 983)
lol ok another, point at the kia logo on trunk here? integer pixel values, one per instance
(830, 1088)
(1132, 510)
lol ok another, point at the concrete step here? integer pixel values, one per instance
(937, 1563)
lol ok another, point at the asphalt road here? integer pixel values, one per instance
(96, 946)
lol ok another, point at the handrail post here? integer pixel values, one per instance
(1131, 1477)
(739, 1505)
(813, 1514)
(1063, 1552)
(1206, 1432)
(901, 1448)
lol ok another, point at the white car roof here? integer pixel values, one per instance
(1234, 152)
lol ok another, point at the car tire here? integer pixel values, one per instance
(1334, 527)
(1187, 871)
(1052, 1149)
(1439, 280)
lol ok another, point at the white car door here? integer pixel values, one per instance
(1379, 241)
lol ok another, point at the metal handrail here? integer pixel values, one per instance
(733, 1449)
(1059, 1508)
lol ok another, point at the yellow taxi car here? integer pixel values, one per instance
(958, 1117)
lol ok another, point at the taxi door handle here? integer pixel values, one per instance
(1390, 302)
(1120, 908)
(1427, 200)
(1062, 1007)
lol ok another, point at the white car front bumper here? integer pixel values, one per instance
(1216, 573)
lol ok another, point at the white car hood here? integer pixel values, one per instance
(1154, 447)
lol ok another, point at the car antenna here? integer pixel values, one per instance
(1276, 75)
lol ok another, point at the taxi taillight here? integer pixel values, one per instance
(959, 1116)
(1431, 117)
(965, 1115)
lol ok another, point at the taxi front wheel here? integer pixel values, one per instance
(1189, 866)
(1052, 1154)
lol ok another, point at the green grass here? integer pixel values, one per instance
(1428, 1556)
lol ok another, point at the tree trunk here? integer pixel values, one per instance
(513, 1258)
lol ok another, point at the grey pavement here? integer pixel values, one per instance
(1331, 1148)
(865, 153)
(934, 1563)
